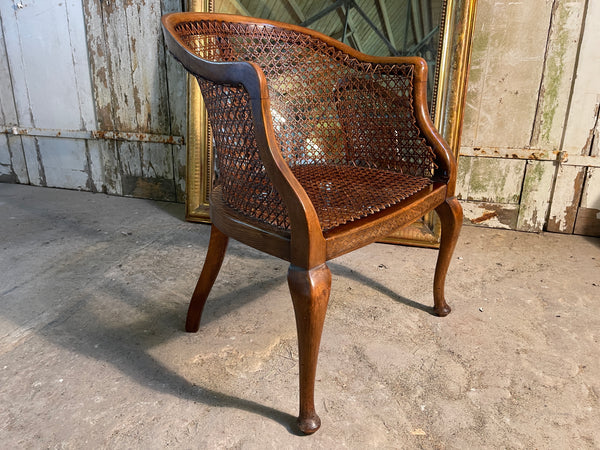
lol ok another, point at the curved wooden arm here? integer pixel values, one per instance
(445, 159)
(307, 241)
(305, 227)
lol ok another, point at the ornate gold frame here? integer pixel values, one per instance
(454, 57)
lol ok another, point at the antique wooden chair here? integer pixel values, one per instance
(319, 151)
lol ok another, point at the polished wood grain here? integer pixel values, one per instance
(310, 294)
(451, 215)
(212, 264)
(306, 244)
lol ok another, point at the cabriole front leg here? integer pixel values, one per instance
(310, 294)
(451, 215)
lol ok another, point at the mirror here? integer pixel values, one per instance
(438, 30)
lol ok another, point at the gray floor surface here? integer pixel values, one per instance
(94, 292)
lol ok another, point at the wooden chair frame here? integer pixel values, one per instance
(306, 245)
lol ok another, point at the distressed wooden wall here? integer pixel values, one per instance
(89, 99)
(529, 156)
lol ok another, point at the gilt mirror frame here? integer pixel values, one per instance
(458, 19)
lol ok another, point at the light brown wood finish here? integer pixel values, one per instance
(306, 244)
(212, 264)
(451, 215)
(310, 294)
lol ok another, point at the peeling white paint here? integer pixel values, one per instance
(473, 212)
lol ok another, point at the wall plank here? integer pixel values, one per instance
(535, 197)
(177, 85)
(559, 71)
(104, 167)
(48, 93)
(33, 158)
(588, 216)
(565, 201)
(64, 162)
(13, 168)
(582, 121)
(506, 69)
(492, 180)
(51, 88)
(492, 215)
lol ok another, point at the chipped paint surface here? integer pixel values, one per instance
(112, 110)
(591, 193)
(534, 69)
(559, 70)
(583, 115)
(506, 67)
(535, 196)
(565, 202)
(490, 215)
(491, 180)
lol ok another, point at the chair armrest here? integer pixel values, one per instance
(304, 222)
(445, 159)
(383, 102)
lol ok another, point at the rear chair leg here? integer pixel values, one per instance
(310, 294)
(451, 214)
(212, 264)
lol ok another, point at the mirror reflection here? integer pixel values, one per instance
(374, 27)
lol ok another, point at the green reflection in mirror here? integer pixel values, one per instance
(374, 27)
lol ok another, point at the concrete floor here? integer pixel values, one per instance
(94, 291)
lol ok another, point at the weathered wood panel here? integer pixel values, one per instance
(580, 134)
(519, 112)
(13, 168)
(582, 123)
(105, 169)
(492, 215)
(506, 68)
(490, 189)
(559, 72)
(491, 180)
(127, 58)
(138, 88)
(588, 215)
(33, 158)
(50, 87)
(565, 201)
(177, 82)
(535, 196)
(65, 162)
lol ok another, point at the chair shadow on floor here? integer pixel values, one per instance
(351, 274)
(127, 345)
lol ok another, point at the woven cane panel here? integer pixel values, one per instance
(342, 194)
(239, 170)
(330, 111)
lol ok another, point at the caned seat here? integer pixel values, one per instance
(319, 150)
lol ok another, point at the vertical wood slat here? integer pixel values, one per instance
(506, 68)
(569, 212)
(535, 196)
(560, 65)
(585, 102)
(12, 158)
(51, 88)
(177, 85)
(138, 88)
(588, 214)
(565, 201)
